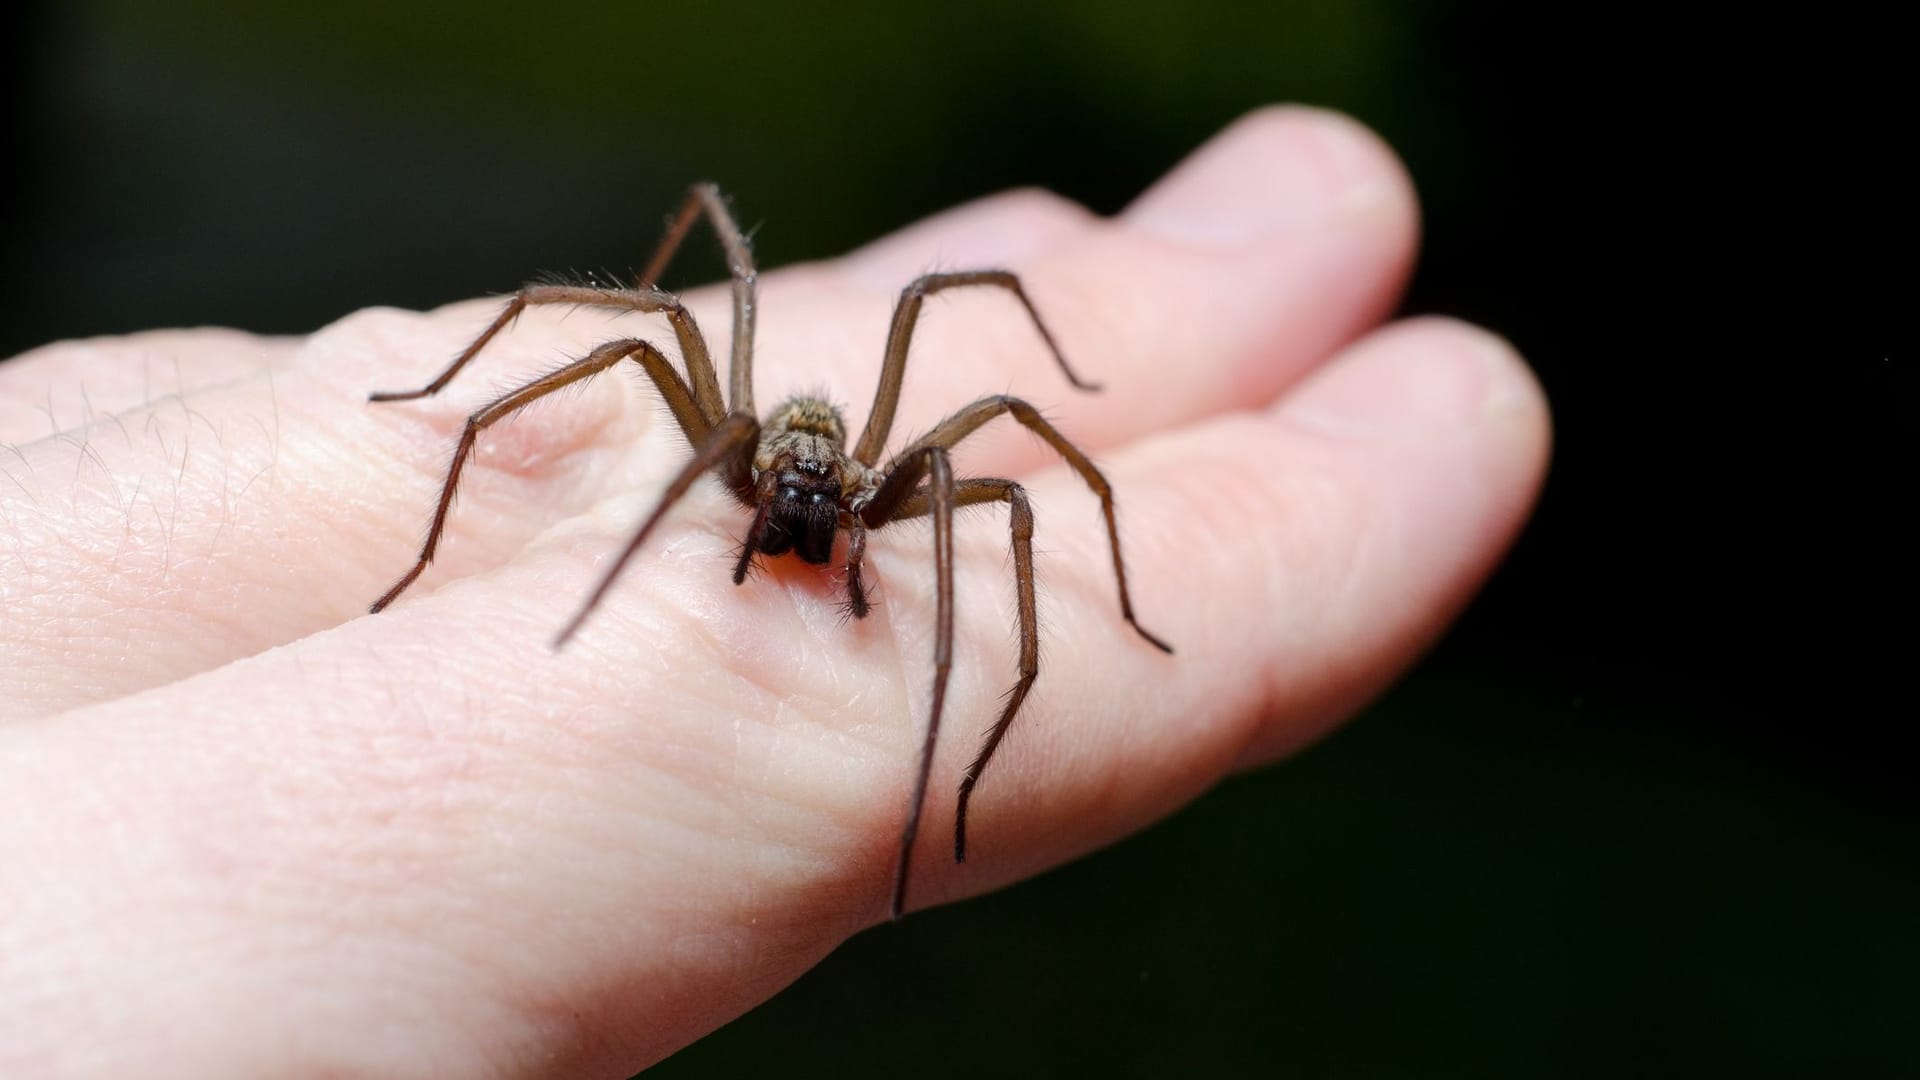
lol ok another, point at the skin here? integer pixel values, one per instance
(247, 829)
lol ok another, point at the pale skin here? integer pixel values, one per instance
(247, 829)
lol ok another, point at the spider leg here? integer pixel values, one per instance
(911, 465)
(679, 399)
(905, 314)
(757, 532)
(940, 498)
(646, 299)
(857, 604)
(732, 438)
(706, 198)
(1020, 512)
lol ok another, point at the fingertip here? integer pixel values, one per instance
(1435, 393)
(1336, 533)
(1276, 170)
(1414, 378)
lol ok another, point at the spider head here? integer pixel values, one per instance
(801, 446)
(806, 510)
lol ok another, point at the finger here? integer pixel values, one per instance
(590, 859)
(999, 230)
(217, 523)
(164, 536)
(1334, 537)
(1284, 237)
(72, 384)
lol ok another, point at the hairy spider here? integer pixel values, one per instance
(794, 471)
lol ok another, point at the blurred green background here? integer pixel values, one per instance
(1646, 812)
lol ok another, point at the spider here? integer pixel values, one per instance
(793, 470)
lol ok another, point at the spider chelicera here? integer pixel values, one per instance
(793, 471)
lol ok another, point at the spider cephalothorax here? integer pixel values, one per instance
(794, 471)
(802, 455)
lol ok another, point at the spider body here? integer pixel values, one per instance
(817, 487)
(794, 471)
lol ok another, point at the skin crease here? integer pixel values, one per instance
(249, 830)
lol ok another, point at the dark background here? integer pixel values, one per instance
(1647, 811)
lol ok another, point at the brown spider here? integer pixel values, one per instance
(794, 472)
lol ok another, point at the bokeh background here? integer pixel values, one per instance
(1649, 810)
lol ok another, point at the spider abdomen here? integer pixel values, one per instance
(810, 416)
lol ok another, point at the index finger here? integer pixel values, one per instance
(177, 538)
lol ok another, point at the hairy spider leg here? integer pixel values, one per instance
(973, 492)
(731, 440)
(958, 426)
(857, 604)
(940, 498)
(680, 399)
(763, 495)
(646, 299)
(906, 313)
(695, 401)
(706, 198)
(647, 296)
(901, 497)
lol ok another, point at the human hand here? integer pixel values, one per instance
(247, 829)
